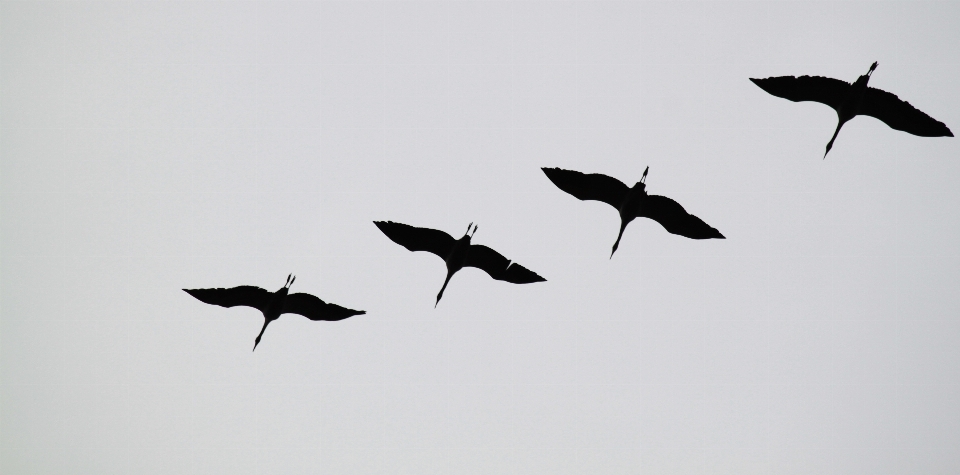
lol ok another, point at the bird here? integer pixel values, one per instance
(851, 100)
(274, 304)
(457, 253)
(632, 203)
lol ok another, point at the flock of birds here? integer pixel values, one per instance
(848, 100)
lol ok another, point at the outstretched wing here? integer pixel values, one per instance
(499, 267)
(900, 115)
(592, 186)
(675, 219)
(245, 295)
(316, 309)
(417, 239)
(827, 91)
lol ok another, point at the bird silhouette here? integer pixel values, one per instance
(632, 203)
(458, 253)
(274, 304)
(851, 100)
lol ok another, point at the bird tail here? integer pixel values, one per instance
(623, 225)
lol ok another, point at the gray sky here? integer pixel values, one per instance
(149, 147)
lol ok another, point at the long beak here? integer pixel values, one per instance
(623, 225)
(445, 282)
(257, 341)
(830, 143)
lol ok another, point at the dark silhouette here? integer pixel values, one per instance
(274, 304)
(458, 253)
(632, 203)
(851, 100)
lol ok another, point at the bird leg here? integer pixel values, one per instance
(644, 177)
(257, 341)
(872, 67)
(474, 230)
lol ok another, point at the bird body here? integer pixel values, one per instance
(632, 203)
(274, 304)
(850, 100)
(457, 254)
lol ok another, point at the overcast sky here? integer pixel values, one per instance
(151, 147)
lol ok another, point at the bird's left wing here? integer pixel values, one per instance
(827, 91)
(675, 219)
(589, 186)
(900, 115)
(417, 239)
(499, 267)
(244, 295)
(316, 309)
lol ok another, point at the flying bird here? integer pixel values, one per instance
(851, 100)
(632, 203)
(274, 304)
(458, 253)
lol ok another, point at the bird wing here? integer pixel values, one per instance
(828, 91)
(316, 309)
(675, 219)
(592, 186)
(900, 115)
(499, 267)
(417, 239)
(245, 295)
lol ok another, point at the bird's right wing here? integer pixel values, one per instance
(900, 115)
(675, 219)
(499, 267)
(245, 295)
(592, 186)
(417, 239)
(827, 91)
(315, 309)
